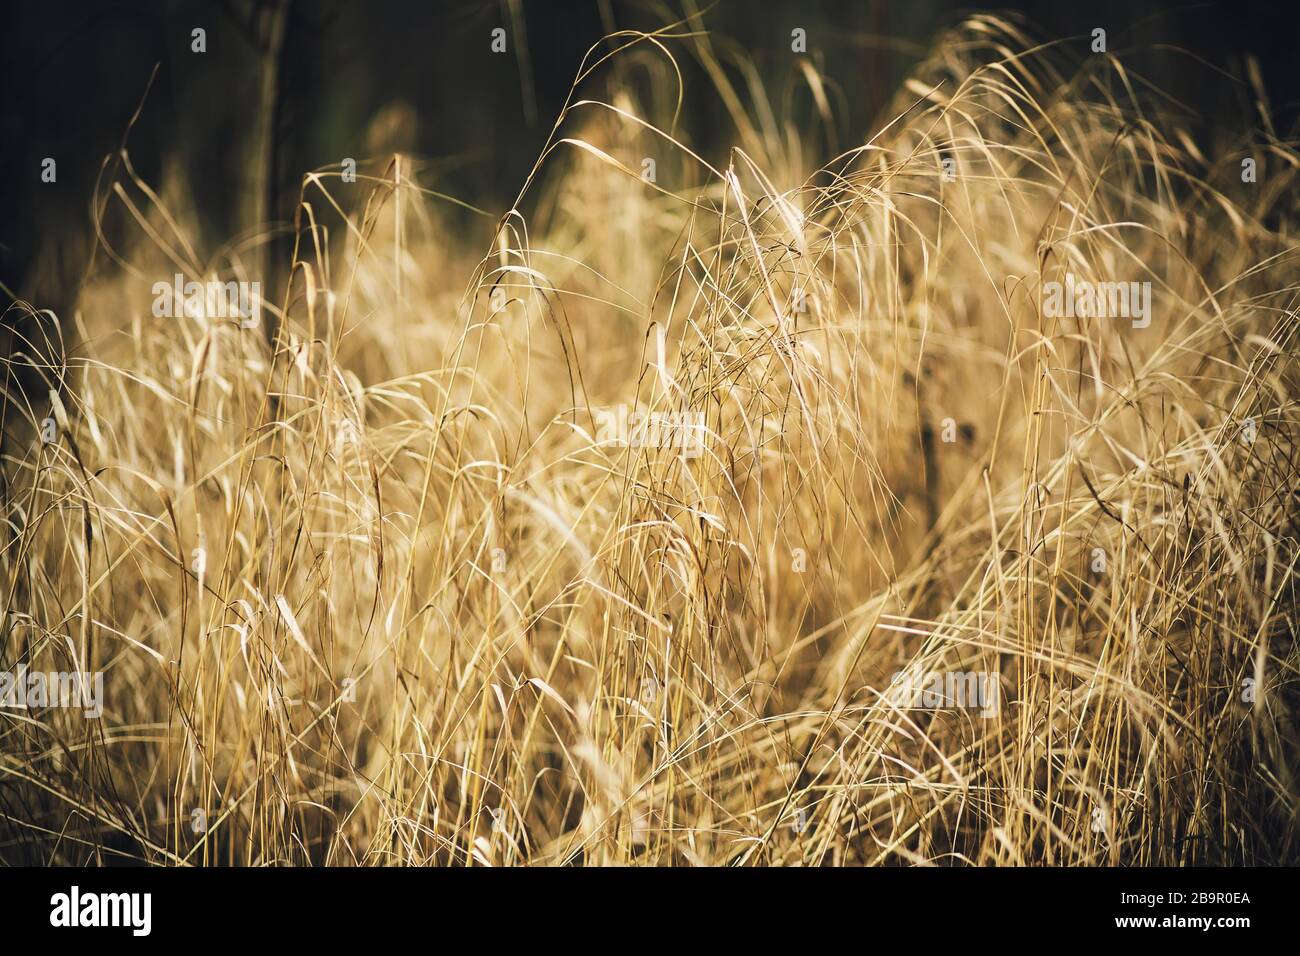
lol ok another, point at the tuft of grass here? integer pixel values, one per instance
(383, 590)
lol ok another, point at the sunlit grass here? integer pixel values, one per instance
(436, 619)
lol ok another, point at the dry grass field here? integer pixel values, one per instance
(910, 569)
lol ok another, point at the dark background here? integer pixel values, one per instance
(75, 72)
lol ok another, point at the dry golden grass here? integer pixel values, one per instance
(564, 650)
